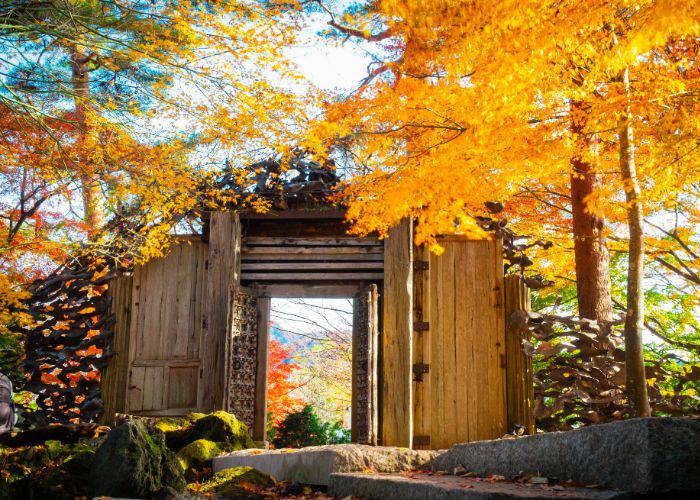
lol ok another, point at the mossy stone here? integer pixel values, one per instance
(170, 424)
(232, 482)
(177, 429)
(197, 455)
(223, 428)
(134, 462)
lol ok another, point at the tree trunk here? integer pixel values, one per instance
(590, 249)
(634, 321)
(93, 211)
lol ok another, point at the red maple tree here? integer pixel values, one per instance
(280, 385)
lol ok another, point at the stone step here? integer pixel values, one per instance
(436, 487)
(642, 455)
(315, 464)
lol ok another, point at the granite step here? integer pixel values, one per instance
(439, 487)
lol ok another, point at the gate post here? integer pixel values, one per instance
(223, 270)
(519, 383)
(397, 337)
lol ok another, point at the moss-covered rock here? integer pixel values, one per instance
(223, 428)
(197, 455)
(177, 429)
(220, 427)
(169, 424)
(134, 462)
(237, 482)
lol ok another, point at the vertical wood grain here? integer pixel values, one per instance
(113, 384)
(223, 271)
(260, 415)
(519, 384)
(467, 342)
(164, 331)
(421, 348)
(397, 407)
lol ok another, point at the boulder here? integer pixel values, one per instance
(220, 427)
(197, 455)
(177, 429)
(238, 482)
(223, 428)
(134, 462)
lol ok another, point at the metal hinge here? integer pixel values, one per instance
(421, 440)
(420, 369)
(421, 326)
(421, 265)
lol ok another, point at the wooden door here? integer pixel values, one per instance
(165, 332)
(365, 372)
(241, 353)
(459, 363)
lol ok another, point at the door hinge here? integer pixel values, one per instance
(421, 265)
(420, 369)
(421, 326)
(421, 440)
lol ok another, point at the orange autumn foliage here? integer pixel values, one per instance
(469, 102)
(279, 385)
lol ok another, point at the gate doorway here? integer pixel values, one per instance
(310, 363)
(249, 343)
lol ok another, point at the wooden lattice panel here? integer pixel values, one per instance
(242, 349)
(365, 366)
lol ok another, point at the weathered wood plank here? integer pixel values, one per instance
(182, 386)
(198, 299)
(165, 327)
(320, 256)
(166, 362)
(463, 320)
(257, 276)
(519, 384)
(319, 214)
(421, 351)
(467, 379)
(437, 352)
(449, 421)
(223, 271)
(297, 250)
(250, 241)
(183, 322)
(260, 416)
(397, 405)
(308, 266)
(290, 290)
(135, 389)
(113, 384)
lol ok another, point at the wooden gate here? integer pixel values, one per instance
(190, 337)
(459, 374)
(165, 331)
(365, 370)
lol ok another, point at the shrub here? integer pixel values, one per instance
(304, 428)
